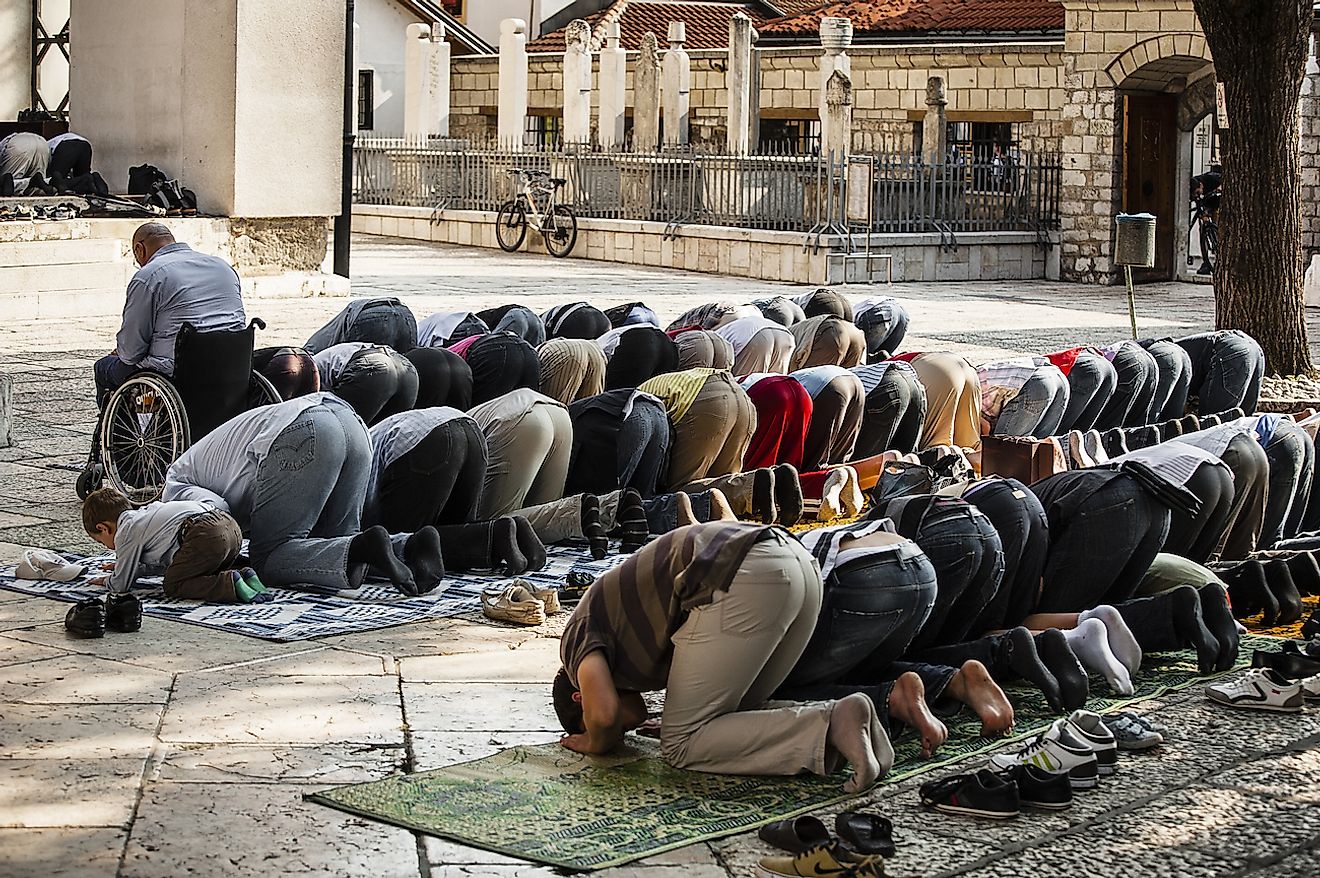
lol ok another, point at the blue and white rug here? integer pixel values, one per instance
(300, 615)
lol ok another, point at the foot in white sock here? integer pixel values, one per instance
(1122, 643)
(831, 495)
(852, 497)
(1090, 642)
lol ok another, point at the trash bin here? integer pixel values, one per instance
(1135, 241)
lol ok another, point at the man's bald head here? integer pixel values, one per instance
(149, 238)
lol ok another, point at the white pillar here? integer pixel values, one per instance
(417, 81)
(512, 126)
(577, 82)
(613, 82)
(677, 90)
(646, 96)
(836, 35)
(740, 78)
(934, 130)
(836, 127)
(440, 57)
(357, 67)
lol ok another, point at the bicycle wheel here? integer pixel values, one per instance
(511, 226)
(560, 231)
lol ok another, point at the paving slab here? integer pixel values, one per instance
(14, 651)
(82, 679)
(436, 749)
(58, 792)
(172, 647)
(257, 763)
(88, 731)
(533, 661)
(66, 852)
(462, 707)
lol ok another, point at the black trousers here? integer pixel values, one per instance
(71, 158)
(1227, 368)
(443, 378)
(377, 383)
(1195, 537)
(384, 322)
(1138, 377)
(894, 414)
(1019, 518)
(576, 320)
(291, 370)
(642, 354)
(612, 451)
(501, 362)
(436, 483)
(518, 319)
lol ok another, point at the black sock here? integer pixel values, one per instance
(1250, 593)
(788, 494)
(1057, 655)
(423, 556)
(529, 543)
(372, 548)
(1219, 621)
(1305, 573)
(592, 529)
(1279, 581)
(631, 519)
(763, 496)
(1017, 654)
(1114, 442)
(1185, 613)
(504, 551)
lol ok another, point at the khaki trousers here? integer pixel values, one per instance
(712, 436)
(201, 568)
(529, 446)
(571, 369)
(770, 350)
(953, 401)
(562, 519)
(835, 343)
(730, 655)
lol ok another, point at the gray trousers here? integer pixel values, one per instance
(1038, 408)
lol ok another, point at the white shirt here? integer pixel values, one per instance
(149, 537)
(436, 329)
(1176, 461)
(61, 138)
(817, 378)
(222, 467)
(739, 332)
(331, 361)
(1215, 440)
(609, 342)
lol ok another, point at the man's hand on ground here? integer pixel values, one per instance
(99, 580)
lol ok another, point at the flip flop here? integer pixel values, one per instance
(797, 835)
(865, 833)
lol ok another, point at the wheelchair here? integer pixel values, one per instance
(150, 420)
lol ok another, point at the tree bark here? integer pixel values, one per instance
(1260, 51)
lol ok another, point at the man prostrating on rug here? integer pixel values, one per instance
(717, 615)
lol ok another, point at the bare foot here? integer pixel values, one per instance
(907, 703)
(973, 686)
(720, 510)
(683, 511)
(850, 734)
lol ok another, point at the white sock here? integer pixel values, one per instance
(1090, 641)
(831, 495)
(1122, 643)
(852, 494)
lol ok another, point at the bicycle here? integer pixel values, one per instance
(536, 204)
(1204, 211)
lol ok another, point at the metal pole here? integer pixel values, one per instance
(1132, 300)
(344, 222)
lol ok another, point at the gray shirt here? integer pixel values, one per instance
(149, 537)
(178, 286)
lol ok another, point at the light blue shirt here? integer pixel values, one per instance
(178, 286)
(148, 538)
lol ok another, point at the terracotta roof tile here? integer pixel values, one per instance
(926, 16)
(707, 22)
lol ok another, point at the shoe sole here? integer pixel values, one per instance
(1140, 745)
(1047, 806)
(1084, 783)
(973, 812)
(1245, 705)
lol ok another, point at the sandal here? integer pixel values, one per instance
(796, 835)
(865, 833)
(514, 604)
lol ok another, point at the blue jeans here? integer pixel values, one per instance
(1038, 408)
(968, 557)
(307, 503)
(894, 414)
(885, 326)
(377, 383)
(1019, 519)
(1137, 378)
(1091, 385)
(1292, 464)
(110, 373)
(1227, 368)
(1173, 368)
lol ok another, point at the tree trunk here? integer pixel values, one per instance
(1260, 51)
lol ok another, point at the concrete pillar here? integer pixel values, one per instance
(739, 79)
(836, 127)
(677, 76)
(646, 96)
(836, 35)
(1309, 149)
(512, 126)
(357, 67)
(441, 56)
(613, 82)
(417, 81)
(577, 82)
(934, 130)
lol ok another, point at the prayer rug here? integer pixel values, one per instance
(546, 804)
(301, 615)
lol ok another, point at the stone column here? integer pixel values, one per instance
(646, 96)
(677, 91)
(417, 81)
(935, 128)
(512, 127)
(739, 78)
(836, 35)
(440, 57)
(613, 84)
(1309, 147)
(836, 127)
(577, 82)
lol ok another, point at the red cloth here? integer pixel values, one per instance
(1065, 359)
(461, 347)
(908, 357)
(783, 414)
(675, 333)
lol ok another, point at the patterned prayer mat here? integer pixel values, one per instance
(301, 615)
(546, 804)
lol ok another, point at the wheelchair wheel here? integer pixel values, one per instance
(261, 391)
(144, 430)
(89, 480)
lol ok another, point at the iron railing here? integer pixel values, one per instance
(891, 193)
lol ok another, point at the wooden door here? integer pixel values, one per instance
(1150, 165)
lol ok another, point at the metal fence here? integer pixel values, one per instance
(800, 193)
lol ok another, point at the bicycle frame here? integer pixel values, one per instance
(534, 194)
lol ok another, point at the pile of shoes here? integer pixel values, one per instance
(162, 193)
(521, 602)
(861, 841)
(1071, 755)
(1280, 682)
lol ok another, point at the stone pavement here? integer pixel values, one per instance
(181, 750)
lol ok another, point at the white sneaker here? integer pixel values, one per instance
(1310, 688)
(1056, 751)
(1258, 689)
(1088, 727)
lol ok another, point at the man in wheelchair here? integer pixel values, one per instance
(173, 286)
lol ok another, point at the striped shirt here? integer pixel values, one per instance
(678, 390)
(632, 612)
(872, 375)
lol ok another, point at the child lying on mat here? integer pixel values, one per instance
(195, 543)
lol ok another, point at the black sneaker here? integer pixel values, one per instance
(86, 618)
(1040, 789)
(123, 613)
(984, 794)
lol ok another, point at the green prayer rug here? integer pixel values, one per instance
(549, 805)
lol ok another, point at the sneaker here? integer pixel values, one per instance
(1058, 751)
(1040, 789)
(514, 604)
(1310, 688)
(1090, 729)
(575, 586)
(86, 618)
(123, 613)
(821, 861)
(1130, 733)
(984, 794)
(1258, 689)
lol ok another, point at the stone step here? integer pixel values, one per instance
(72, 251)
(61, 278)
(103, 301)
